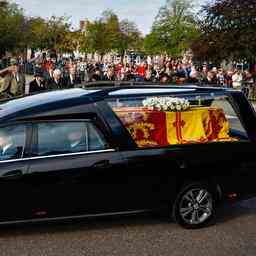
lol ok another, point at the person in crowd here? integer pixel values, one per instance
(48, 64)
(129, 72)
(141, 71)
(73, 79)
(148, 74)
(57, 82)
(67, 72)
(14, 81)
(120, 71)
(165, 79)
(248, 77)
(97, 75)
(193, 75)
(215, 70)
(247, 87)
(110, 74)
(82, 71)
(228, 78)
(38, 84)
(48, 73)
(237, 79)
(220, 78)
(203, 73)
(210, 79)
(181, 74)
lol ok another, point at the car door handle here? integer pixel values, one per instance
(15, 174)
(102, 164)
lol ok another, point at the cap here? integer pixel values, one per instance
(13, 62)
(38, 73)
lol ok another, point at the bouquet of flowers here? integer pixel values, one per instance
(166, 103)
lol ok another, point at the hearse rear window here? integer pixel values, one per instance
(160, 121)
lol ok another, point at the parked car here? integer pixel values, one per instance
(78, 153)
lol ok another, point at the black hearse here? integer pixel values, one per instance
(78, 153)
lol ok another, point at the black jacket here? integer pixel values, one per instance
(52, 85)
(34, 87)
(71, 84)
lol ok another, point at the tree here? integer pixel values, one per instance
(152, 43)
(95, 38)
(71, 42)
(19, 32)
(113, 31)
(173, 30)
(37, 33)
(57, 28)
(132, 38)
(12, 26)
(228, 31)
(108, 33)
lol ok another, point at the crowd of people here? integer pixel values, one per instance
(61, 73)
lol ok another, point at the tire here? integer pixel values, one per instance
(194, 206)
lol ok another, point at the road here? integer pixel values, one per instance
(233, 235)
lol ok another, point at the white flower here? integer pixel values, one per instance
(166, 103)
(165, 107)
(178, 107)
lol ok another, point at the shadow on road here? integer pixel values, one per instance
(225, 214)
(89, 224)
(237, 210)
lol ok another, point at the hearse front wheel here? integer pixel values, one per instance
(194, 206)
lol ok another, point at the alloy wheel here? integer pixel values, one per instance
(196, 206)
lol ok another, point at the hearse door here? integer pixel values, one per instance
(243, 153)
(14, 185)
(151, 177)
(14, 191)
(73, 174)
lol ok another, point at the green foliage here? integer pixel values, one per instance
(57, 29)
(19, 32)
(12, 26)
(112, 29)
(153, 44)
(108, 33)
(37, 33)
(95, 39)
(228, 31)
(174, 29)
(131, 36)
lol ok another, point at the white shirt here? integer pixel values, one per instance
(5, 148)
(237, 80)
(74, 144)
(16, 76)
(71, 79)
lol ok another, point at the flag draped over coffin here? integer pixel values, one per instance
(151, 128)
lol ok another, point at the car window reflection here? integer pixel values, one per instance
(12, 142)
(68, 137)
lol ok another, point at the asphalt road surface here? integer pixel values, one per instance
(234, 234)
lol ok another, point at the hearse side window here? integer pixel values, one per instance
(56, 138)
(161, 121)
(12, 142)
